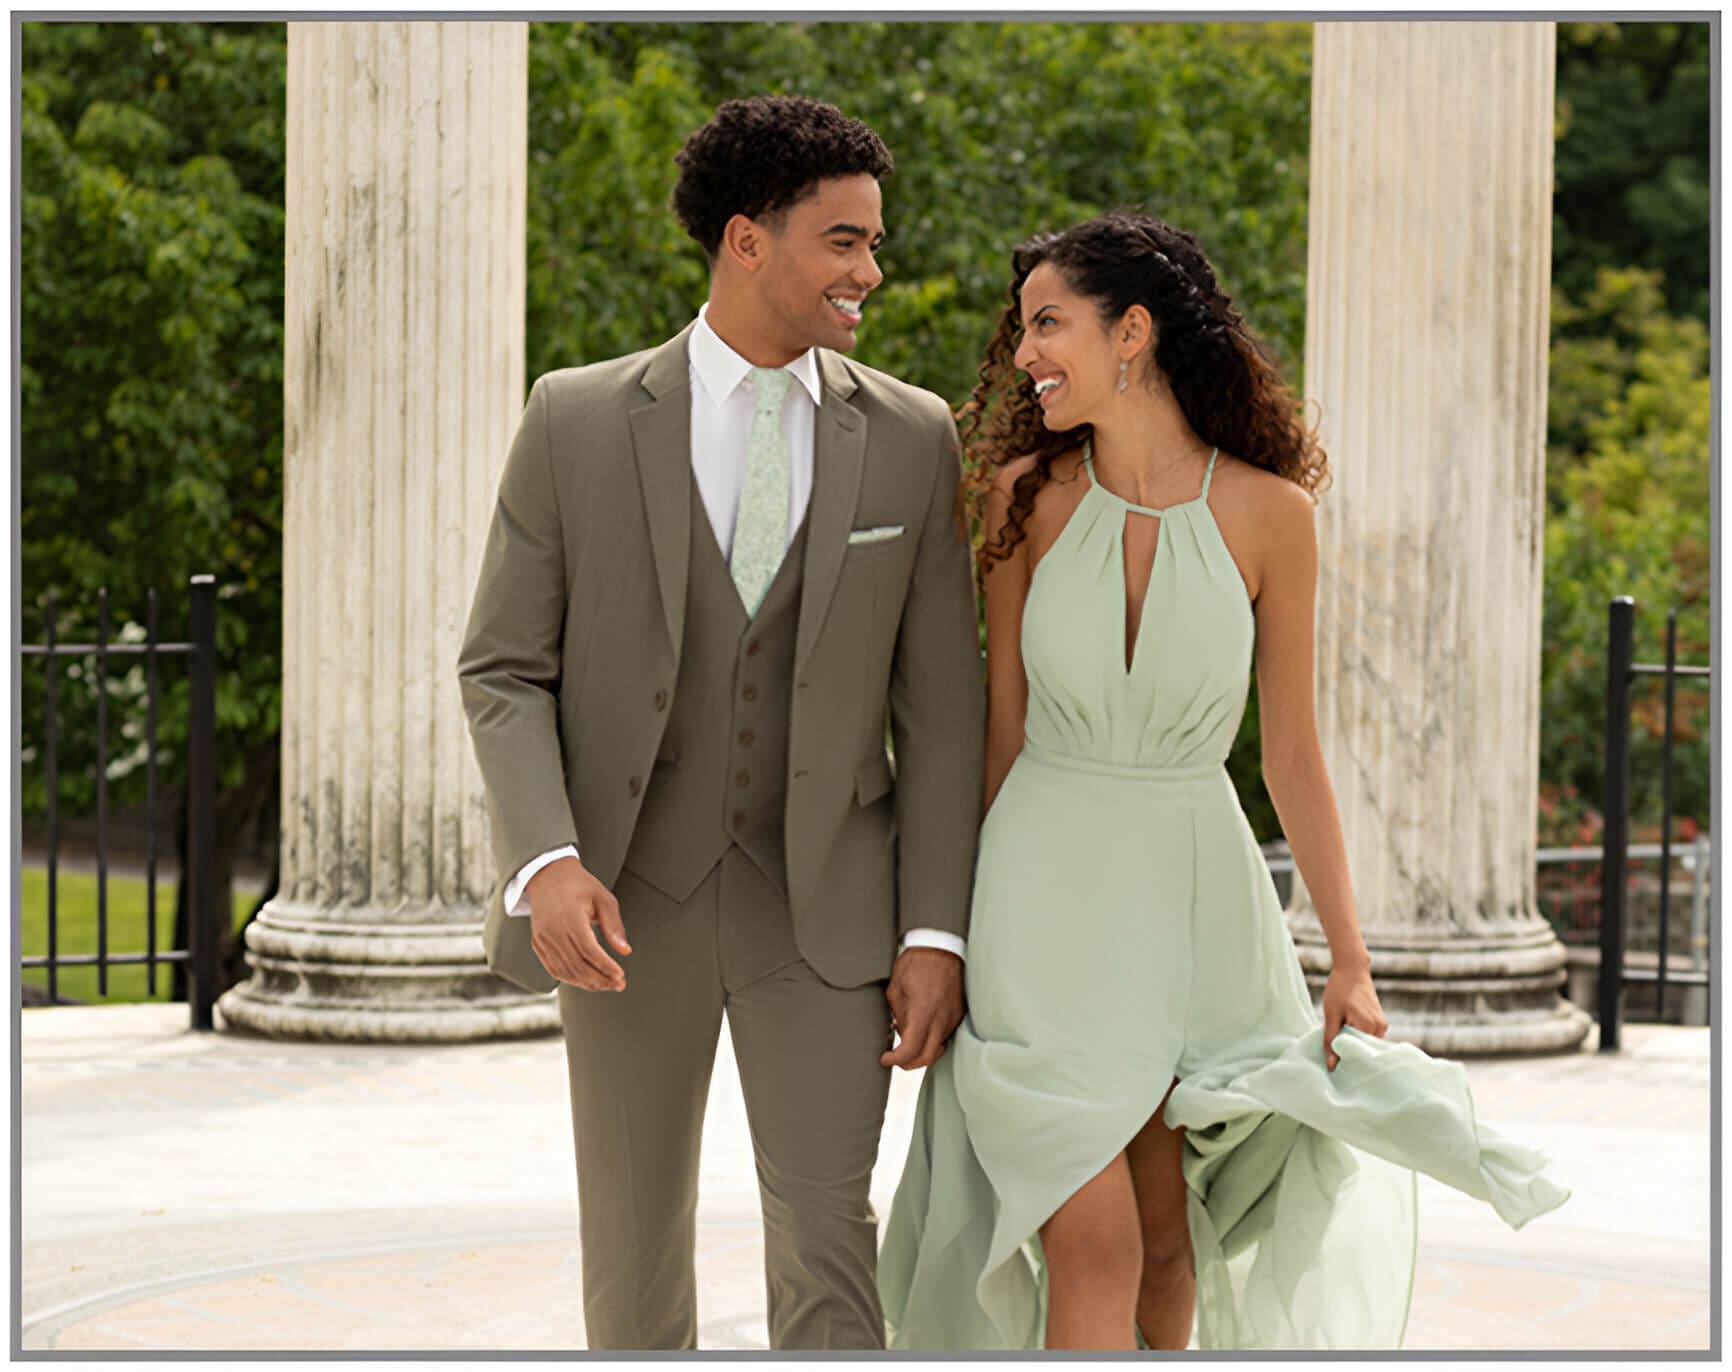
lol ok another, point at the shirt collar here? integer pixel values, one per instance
(720, 369)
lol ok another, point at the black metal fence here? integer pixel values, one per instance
(197, 875)
(1621, 672)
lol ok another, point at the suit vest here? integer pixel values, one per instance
(721, 774)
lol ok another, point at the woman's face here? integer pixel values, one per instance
(1068, 354)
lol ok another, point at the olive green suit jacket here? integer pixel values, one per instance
(572, 652)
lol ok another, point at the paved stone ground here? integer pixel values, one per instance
(212, 1191)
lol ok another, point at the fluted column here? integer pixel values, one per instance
(403, 383)
(1426, 348)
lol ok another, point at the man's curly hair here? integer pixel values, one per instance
(760, 155)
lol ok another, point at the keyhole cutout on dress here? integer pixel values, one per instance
(1140, 543)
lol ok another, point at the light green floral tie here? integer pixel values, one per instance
(761, 530)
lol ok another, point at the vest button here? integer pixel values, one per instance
(746, 737)
(661, 700)
(752, 648)
(739, 819)
(741, 779)
(634, 785)
(749, 693)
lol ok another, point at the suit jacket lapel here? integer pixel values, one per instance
(838, 460)
(661, 434)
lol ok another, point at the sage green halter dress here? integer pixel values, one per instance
(1125, 932)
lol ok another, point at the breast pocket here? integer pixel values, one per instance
(874, 579)
(876, 536)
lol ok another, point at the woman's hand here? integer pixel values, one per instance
(1350, 998)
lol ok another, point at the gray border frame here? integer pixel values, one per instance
(1716, 863)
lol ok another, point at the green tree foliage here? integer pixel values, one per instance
(151, 379)
(1628, 514)
(1632, 156)
(998, 129)
(1628, 433)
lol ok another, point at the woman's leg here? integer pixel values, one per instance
(1167, 1289)
(1093, 1252)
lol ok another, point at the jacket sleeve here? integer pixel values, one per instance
(938, 711)
(509, 666)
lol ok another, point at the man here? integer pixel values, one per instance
(714, 567)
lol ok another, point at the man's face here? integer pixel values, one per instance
(819, 266)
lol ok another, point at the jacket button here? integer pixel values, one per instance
(661, 700)
(742, 780)
(750, 692)
(739, 819)
(746, 737)
(635, 785)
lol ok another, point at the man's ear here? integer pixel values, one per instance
(743, 243)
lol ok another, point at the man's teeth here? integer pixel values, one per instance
(1042, 387)
(850, 307)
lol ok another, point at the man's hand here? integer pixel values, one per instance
(565, 904)
(925, 996)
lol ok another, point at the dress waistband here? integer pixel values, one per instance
(1120, 769)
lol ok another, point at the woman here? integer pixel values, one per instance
(1143, 1133)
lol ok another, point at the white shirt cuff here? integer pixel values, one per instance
(935, 938)
(516, 902)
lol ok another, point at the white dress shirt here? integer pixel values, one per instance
(721, 426)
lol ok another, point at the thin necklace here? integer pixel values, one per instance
(1152, 475)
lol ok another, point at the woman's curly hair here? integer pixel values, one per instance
(760, 155)
(1228, 389)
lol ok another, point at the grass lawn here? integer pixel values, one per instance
(76, 909)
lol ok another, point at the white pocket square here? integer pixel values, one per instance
(882, 534)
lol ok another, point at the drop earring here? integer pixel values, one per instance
(1123, 367)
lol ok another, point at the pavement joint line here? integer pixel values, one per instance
(68, 1312)
(1588, 1290)
(1559, 1268)
(291, 1279)
(71, 1312)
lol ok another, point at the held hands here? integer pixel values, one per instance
(565, 904)
(1350, 999)
(925, 996)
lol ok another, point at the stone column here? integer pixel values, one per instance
(1426, 348)
(403, 384)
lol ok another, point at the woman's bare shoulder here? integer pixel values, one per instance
(1053, 502)
(1265, 518)
(1005, 478)
(1258, 493)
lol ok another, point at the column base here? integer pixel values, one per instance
(1462, 994)
(377, 977)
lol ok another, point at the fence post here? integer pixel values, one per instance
(1620, 636)
(1696, 997)
(201, 803)
(1666, 810)
(1700, 857)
